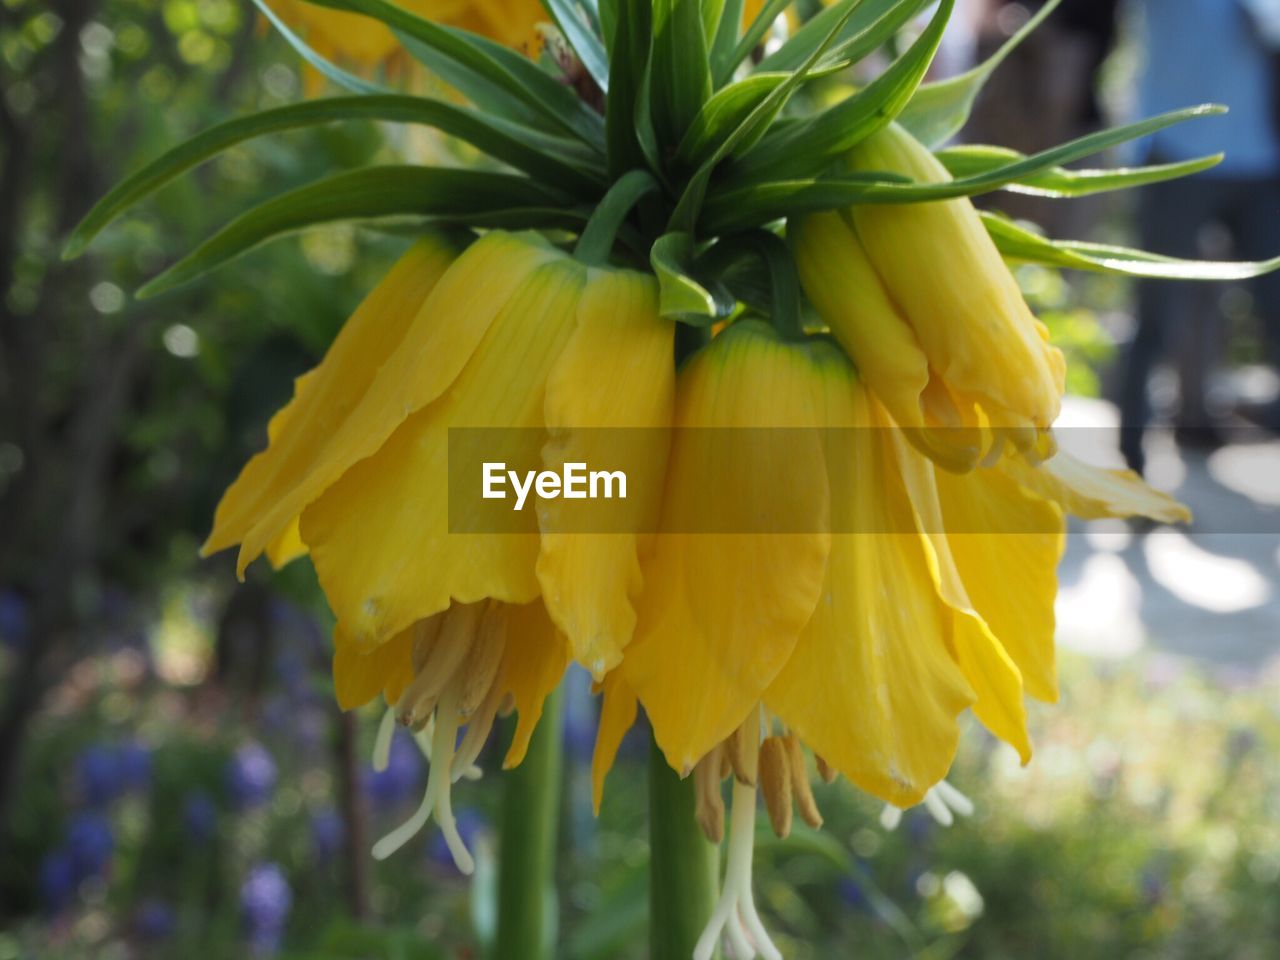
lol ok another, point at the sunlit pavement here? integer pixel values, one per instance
(1210, 591)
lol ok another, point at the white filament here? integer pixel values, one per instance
(382, 742)
(942, 800)
(736, 907)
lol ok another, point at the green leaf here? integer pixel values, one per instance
(627, 82)
(724, 113)
(737, 206)
(335, 73)
(724, 40)
(938, 110)
(810, 145)
(505, 69)
(680, 75)
(746, 133)
(595, 244)
(968, 161)
(750, 39)
(502, 140)
(680, 296)
(872, 24)
(465, 196)
(1020, 245)
(570, 19)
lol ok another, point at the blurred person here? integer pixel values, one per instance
(1198, 51)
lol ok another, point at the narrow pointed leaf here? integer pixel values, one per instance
(972, 161)
(938, 110)
(738, 206)
(751, 39)
(342, 78)
(681, 296)
(725, 39)
(680, 75)
(810, 145)
(465, 196)
(506, 142)
(872, 24)
(506, 69)
(1020, 245)
(586, 44)
(628, 67)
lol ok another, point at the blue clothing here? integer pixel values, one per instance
(1210, 51)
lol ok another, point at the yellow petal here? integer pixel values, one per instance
(359, 676)
(286, 547)
(616, 378)
(991, 672)
(944, 273)
(263, 501)
(872, 686)
(1094, 493)
(842, 284)
(380, 537)
(721, 612)
(1007, 552)
(535, 660)
(617, 715)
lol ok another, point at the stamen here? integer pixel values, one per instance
(827, 772)
(736, 906)
(484, 660)
(445, 656)
(425, 634)
(382, 742)
(775, 785)
(708, 801)
(956, 800)
(890, 816)
(801, 791)
(942, 800)
(937, 809)
(437, 797)
(478, 729)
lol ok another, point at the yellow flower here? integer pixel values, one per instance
(514, 340)
(364, 44)
(920, 298)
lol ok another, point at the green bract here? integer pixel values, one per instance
(704, 143)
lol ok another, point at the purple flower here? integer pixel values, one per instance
(57, 880)
(135, 766)
(251, 777)
(265, 901)
(200, 816)
(14, 619)
(403, 777)
(98, 776)
(90, 843)
(154, 920)
(327, 833)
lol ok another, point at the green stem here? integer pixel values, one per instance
(596, 242)
(684, 867)
(530, 821)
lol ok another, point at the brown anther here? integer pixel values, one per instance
(507, 706)
(775, 784)
(485, 659)
(801, 791)
(827, 772)
(708, 801)
(740, 758)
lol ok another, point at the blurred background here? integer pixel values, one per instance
(175, 779)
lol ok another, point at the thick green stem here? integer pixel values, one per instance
(530, 823)
(684, 867)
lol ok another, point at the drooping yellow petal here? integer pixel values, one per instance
(842, 284)
(1006, 544)
(608, 407)
(534, 662)
(511, 23)
(287, 547)
(1094, 493)
(991, 672)
(259, 503)
(721, 611)
(872, 686)
(617, 715)
(947, 278)
(359, 675)
(376, 390)
(380, 536)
